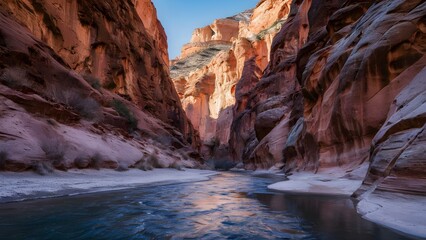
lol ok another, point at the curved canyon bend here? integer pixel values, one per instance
(277, 119)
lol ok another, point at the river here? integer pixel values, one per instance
(229, 206)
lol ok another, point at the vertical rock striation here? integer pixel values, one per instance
(344, 85)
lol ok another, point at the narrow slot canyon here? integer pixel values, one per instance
(285, 119)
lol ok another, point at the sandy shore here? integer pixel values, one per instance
(401, 212)
(28, 185)
(332, 181)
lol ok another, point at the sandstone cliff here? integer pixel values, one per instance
(86, 84)
(207, 72)
(344, 86)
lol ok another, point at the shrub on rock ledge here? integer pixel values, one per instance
(124, 112)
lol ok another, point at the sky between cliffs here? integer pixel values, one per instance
(181, 17)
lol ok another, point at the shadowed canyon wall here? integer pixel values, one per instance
(340, 84)
(344, 86)
(210, 66)
(87, 78)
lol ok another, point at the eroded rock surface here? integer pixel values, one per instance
(86, 84)
(120, 43)
(337, 73)
(210, 66)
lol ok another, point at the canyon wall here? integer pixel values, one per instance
(208, 70)
(344, 85)
(306, 85)
(86, 83)
(122, 44)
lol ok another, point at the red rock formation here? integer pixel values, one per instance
(211, 65)
(76, 77)
(98, 38)
(267, 13)
(148, 14)
(339, 91)
(398, 149)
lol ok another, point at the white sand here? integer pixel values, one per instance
(332, 181)
(317, 184)
(404, 213)
(28, 185)
(401, 212)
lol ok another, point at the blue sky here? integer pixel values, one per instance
(181, 17)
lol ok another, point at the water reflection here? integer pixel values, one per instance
(327, 217)
(230, 206)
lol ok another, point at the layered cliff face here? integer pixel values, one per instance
(120, 43)
(344, 85)
(86, 84)
(210, 66)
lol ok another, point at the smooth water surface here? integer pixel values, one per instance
(229, 206)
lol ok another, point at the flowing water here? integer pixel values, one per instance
(229, 206)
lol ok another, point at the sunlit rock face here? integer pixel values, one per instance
(148, 14)
(342, 87)
(210, 66)
(90, 75)
(267, 13)
(121, 43)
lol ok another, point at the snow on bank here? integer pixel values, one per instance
(404, 213)
(28, 185)
(331, 181)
